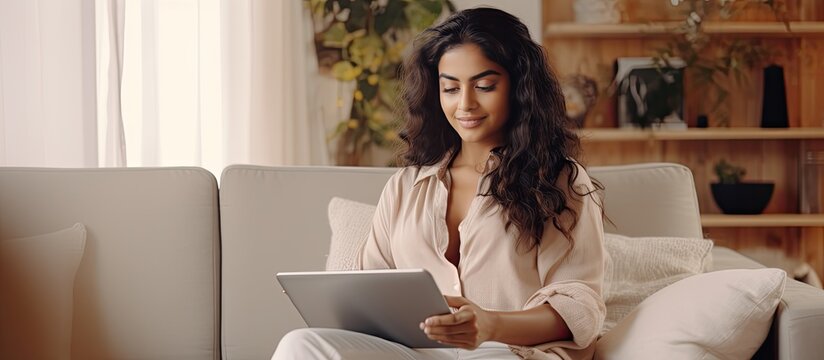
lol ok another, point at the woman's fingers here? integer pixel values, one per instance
(461, 316)
(466, 328)
(459, 329)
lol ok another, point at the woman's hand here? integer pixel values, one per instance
(466, 328)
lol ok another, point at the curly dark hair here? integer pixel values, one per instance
(538, 144)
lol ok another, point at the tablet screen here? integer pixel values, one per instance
(386, 303)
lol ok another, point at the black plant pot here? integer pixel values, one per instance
(742, 198)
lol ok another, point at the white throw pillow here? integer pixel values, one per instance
(37, 282)
(718, 315)
(637, 267)
(350, 222)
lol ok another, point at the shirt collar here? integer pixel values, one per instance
(440, 168)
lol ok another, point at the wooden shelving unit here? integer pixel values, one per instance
(653, 29)
(773, 155)
(603, 135)
(763, 220)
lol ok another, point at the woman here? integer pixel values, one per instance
(491, 202)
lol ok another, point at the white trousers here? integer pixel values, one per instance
(334, 344)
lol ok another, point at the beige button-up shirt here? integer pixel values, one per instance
(409, 231)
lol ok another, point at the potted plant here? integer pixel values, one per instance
(363, 41)
(734, 196)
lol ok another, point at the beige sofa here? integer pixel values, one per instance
(175, 269)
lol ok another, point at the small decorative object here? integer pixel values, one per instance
(702, 121)
(580, 94)
(596, 11)
(774, 105)
(650, 93)
(734, 196)
(812, 190)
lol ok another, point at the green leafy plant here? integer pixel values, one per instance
(364, 41)
(734, 58)
(728, 173)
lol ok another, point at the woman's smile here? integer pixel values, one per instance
(469, 122)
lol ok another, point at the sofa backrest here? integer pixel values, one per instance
(147, 286)
(653, 199)
(275, 219)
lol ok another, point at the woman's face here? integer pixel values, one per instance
(474, 94)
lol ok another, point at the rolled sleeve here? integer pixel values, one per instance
(580, 306)
(573, 272)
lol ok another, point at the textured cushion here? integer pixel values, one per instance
(350, 222)
(717, 315)
(638, 267)
(37, 286)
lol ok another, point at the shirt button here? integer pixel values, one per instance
(458, 287)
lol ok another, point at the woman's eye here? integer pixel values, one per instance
(450, 90)
(486, 88)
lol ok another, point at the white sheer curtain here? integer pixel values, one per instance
(47, 86)
(109, 22)
(159, 72)
(87, 83)
(285, 125)
(211, 83)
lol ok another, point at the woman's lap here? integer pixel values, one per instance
(343, 344)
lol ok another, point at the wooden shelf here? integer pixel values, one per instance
(606, 135)
(762, 220)
(761, 29)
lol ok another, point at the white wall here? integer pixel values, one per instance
(529, 11)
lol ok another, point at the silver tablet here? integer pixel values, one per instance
(386, 303)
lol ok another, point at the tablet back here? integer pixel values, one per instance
(386, 303)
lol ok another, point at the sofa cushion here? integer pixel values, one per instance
(350, 222)
(718, 315)
(147, 287)
(37, 282)
(274, 219)
(637, 267)
(652, 199)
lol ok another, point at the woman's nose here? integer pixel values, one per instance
(468, 101)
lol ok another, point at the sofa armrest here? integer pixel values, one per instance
(798, 325)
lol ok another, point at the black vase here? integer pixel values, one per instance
(774, 103)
